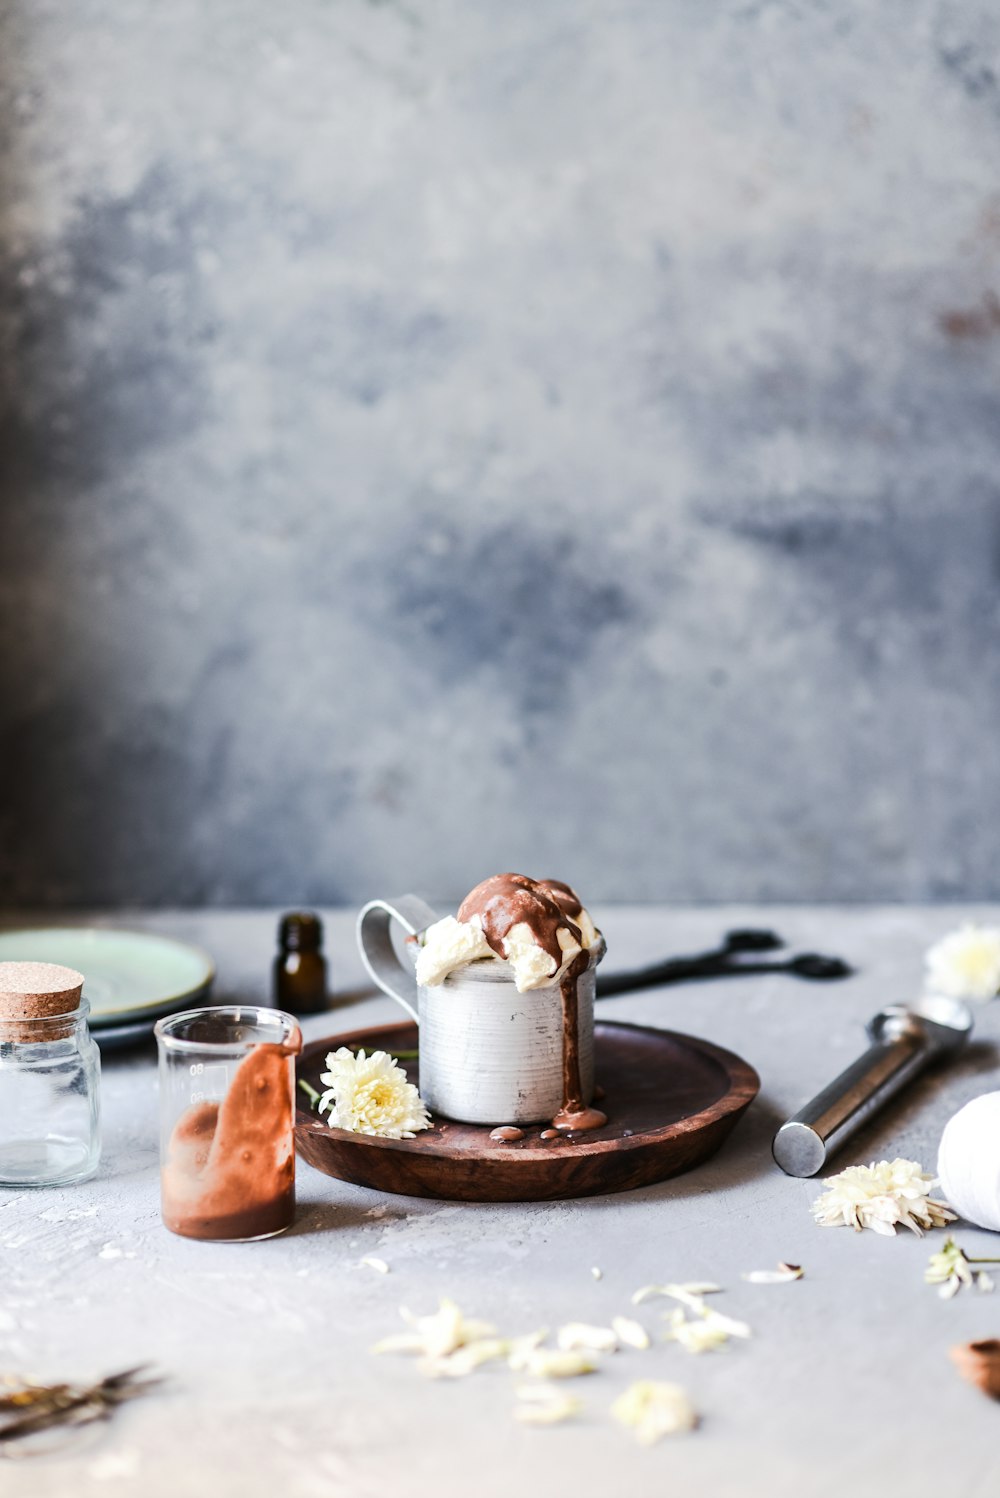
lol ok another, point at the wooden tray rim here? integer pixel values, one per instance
(744, 1085)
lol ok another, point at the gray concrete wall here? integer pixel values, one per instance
(452, 435)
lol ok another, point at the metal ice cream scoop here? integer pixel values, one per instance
(905, 1040)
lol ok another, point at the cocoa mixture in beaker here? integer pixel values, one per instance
(230, 1167)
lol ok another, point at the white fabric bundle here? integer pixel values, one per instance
(969, 1161)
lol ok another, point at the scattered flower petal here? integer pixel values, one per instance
(779, 1276)
(630, 1333)
(435, 1336)
(653, 1410)
(727, 1324)
(577, 1334)
(465, 1360)
(648, 1292)
(694, 1336)
(541, 1404)
(371, 1095)
(966, 963)
(951, 1268)
(400, 1342)
(881, 1197)
(597, 1273)
(535, 1393)
(520, 1348)
(379, 1265)
(543, 1362)
(686, 1292)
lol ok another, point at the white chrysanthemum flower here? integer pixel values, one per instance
(653, 1410)
(371, 1095)
(966, 964)
(881, 1197)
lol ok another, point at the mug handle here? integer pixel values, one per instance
(378, 953)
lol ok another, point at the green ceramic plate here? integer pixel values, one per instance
(128, 975)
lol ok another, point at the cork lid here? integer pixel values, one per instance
(36, 990)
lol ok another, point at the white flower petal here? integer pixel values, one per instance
(780, 1276)
(686, 1292)
(522, 1347)
(694, 1336)
(654, 1410)
(542, 1405)
(630, 1333)
(401, 1342)
(543, 1362)
(536, 1393)
(379, 1265)
(727, 1324)
(447, 1329)
(577, 1334)
(465, 1360)
(648, 1292)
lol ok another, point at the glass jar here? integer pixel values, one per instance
(227, 1111)
(50, 1108)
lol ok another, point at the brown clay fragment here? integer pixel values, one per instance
(979, 1364)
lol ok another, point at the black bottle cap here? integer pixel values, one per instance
(301, 931)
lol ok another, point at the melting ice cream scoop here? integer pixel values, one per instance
(539, 926)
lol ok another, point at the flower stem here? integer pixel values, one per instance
(310, 1092)
(396, 1055)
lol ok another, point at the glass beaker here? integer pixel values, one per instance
(227, 1108)
(50, 1100)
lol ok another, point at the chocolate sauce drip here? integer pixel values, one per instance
(507, 900)
(230, 1167)
(574, 1113)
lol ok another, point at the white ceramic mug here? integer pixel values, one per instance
(488, 1054)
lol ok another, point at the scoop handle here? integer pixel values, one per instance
(378, 953)
(803, 1145)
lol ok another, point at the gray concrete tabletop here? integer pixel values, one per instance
(845, 1385)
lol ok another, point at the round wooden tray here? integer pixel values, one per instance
(671, 1100)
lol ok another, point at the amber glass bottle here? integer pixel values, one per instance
(300, 967)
